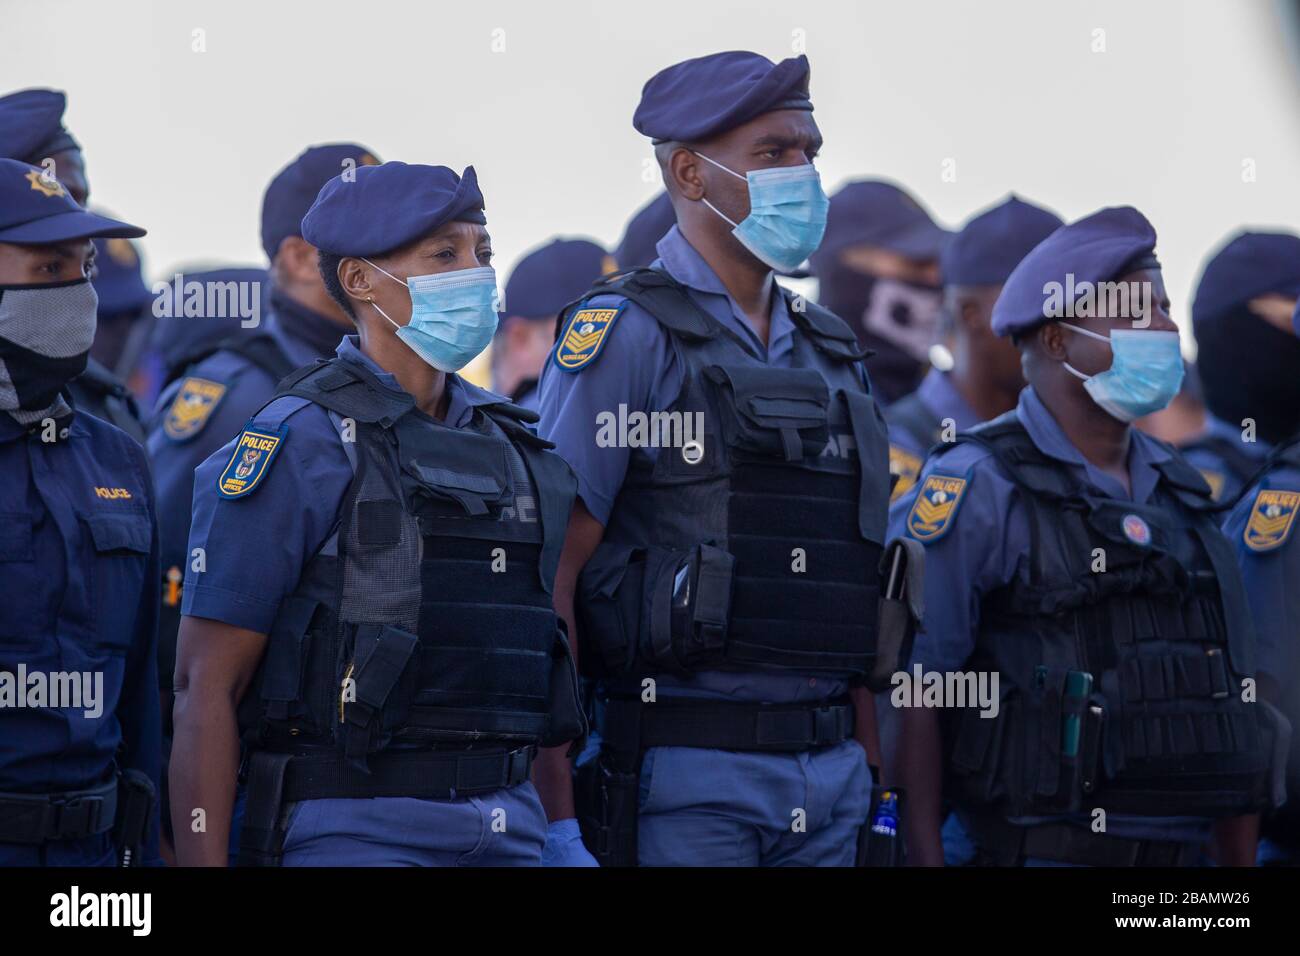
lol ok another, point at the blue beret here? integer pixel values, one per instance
(35, 210)
(991, 244)
(651, 222)
(296, 187)
(878, 213)
(549, 278)
(701, 98)
(31, 125)
(1251, 264)
(387, 206)
(119, 281)
(1098, 248)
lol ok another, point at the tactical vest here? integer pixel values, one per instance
(100, 392)
(1163, 632)
(753, 538)
(425, 621)
(259, 349)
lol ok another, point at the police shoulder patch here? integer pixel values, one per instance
(195, 401)
(935, 507)
(251, 460)
(1272, 514)
(905, 467)
(584, 336)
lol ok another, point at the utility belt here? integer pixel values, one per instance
(276, 780)
(606, 789)
(121, 806)
(1004, 844)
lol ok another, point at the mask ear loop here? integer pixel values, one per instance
(1100, 338)
(728, 220)
(372, 302)
(375, 305)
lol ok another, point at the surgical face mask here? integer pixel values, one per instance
(1146, 371)
(453, 315)
(45, 337)
(787, 213)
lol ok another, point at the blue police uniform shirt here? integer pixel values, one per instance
(941, 398)
(79, 564)
(988, 546)
(303, 336)
(1272, 579)
(257, 546)
(1221, 479)
(638, 368)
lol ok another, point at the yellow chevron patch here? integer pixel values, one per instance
(935, 507)
(1271, 516)
(905, 467)
(584, 336)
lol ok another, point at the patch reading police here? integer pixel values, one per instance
(195, 401)
(248, 465)
(935, 507)
(1271, 516)
(584, 337)
(906, 466)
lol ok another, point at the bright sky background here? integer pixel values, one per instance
(539, 97)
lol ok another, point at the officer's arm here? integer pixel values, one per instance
(920, 770)
(215, 664)
(552, 771)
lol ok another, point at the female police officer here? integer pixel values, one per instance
(371, 561)
(78, 554)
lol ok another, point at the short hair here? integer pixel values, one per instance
(328, 263)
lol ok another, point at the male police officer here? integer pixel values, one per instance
(985, 378)
(540, 285)
(728, 560)
(221, 383)
(1247, 356)
(380, 547)
(32, 131)
(1262, 528)
(78, 558)
(1084, 568)
(878, 267)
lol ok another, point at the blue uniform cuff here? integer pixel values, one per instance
(229, 607)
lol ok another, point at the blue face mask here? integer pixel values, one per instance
(1146, 371)
(453, 315)
(787, 213)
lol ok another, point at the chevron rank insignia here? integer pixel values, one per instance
(905, 467)
(935, 507)
(584, 337)
(1271, 516)
(250, 461)
(195, 401)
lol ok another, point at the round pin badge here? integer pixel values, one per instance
(693, 452)
(1137, 530)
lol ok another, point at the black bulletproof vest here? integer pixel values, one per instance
(1163, 630)
(104, 395)
(426, 618)
(755, 543)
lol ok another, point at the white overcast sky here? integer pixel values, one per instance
(1184, 96)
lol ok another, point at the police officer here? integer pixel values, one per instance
(222, 382)
(728, 559)
(985, 378)
(646, 227)
(32, 131)
(380, 545)
(1084, 569)
(541, 284)
(1246, 356)
(1261, 526)
(78, 558)
(878, 267)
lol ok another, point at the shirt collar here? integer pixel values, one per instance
(462, 396)
(940, 396)
(300, 324)
(1143, 456)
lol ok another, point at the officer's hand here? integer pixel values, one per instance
(564, 846)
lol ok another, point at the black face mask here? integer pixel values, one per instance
(45, 336)
(1250, 369)
(897, 320)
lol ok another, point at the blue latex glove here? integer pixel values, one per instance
(564, 845)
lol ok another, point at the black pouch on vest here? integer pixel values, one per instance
(285, 665)
(902, 569)
(567, 721)
(454, 470)
(983, 754)
(608, 606)
(375, 690)
(774, 412)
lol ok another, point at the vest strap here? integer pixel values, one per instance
(760, 728)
